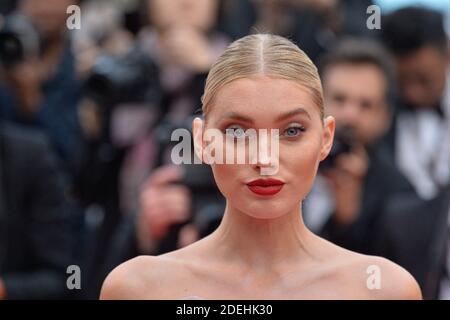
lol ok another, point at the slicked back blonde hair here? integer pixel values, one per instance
(263, 54)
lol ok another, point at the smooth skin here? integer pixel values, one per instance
(262, 249)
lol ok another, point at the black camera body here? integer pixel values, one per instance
(132, 78)
(207, 202)
(114, 80)
(344, 142)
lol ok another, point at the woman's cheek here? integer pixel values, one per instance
(300, 161)
(226, 177)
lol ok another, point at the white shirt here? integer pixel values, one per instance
(423, 147)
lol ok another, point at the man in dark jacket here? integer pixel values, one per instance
(420, 135)
(34, 235)
(360, 174)
(415, 234)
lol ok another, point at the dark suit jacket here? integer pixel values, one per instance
(414, 234)
(382, 181)
(34, 238)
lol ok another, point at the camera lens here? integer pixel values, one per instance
(11, 50)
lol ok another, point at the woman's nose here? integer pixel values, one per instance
(265, 157)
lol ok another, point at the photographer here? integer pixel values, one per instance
(118, 91)
(38, 73)
(126, 142)
(183, 40)
(359, 175)
(420, 135)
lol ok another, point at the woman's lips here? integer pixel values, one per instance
(265, 187)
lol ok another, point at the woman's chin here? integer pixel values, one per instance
(265, 209)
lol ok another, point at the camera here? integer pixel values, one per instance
(131, 78)
(208, 204)
(344, 142)
(18, 40)
(115, 83)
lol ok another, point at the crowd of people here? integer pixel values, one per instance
(86, 118)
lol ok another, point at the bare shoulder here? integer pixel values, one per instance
(360, 276)
(396, 282)
(143, 277)
(166, 276)
(383, 279)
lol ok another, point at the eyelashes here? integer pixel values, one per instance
(294, 131)
(236, 131)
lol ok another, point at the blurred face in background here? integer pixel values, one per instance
(49, 16)
(355, 94)
(200, 14)
(421, 76)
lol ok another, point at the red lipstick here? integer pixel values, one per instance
(265, 187)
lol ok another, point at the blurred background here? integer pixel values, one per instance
(86, 117)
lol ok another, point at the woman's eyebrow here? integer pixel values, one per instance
(237, 116)
(293, 113)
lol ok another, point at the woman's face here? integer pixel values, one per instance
(262, 102)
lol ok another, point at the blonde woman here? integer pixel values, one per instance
(262, 249)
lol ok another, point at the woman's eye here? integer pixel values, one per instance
(236, 132)
(293, 131)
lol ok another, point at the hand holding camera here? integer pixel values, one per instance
(163, 204)
(345, 171)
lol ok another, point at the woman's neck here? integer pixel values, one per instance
(263, 243)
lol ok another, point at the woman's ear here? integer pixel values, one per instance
(197, 131)
(329, 125)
